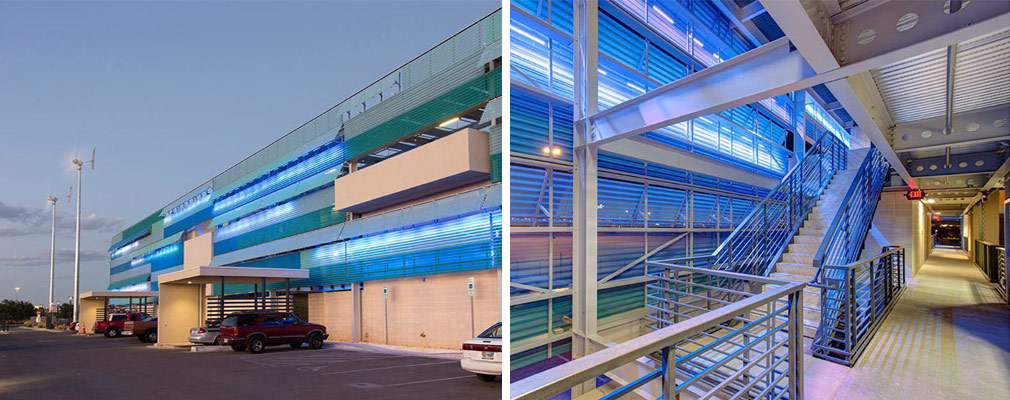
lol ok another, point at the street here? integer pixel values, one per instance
(48, 365)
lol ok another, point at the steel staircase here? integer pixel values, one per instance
(796, 263)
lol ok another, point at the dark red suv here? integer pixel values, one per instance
(254, 330)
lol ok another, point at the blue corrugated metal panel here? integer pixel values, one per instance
(190, 221)
(322, 179)
(459, 244)
(289, 261)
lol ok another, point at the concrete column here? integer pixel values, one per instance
(179, 310)
(356, 312)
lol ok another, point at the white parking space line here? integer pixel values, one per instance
(393, 367)
(430, 380)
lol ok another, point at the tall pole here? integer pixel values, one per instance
(52, 260)
(77, 244)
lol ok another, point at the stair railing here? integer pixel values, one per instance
(855, 295)
(759, 240)
(706, 347)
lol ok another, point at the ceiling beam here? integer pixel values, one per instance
(997, 179)
(959, 164)
(973, 127)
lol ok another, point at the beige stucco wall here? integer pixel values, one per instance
(198, 251)
(333, 310)
(180, 308)
(88, 308)
(454, 160)
(900, 222)
(432, 311)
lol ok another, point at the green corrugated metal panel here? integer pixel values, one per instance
(496, 167)
(538, 354)
(131, 281)
(433, 111)
(495, 140)
(492, 27)
(314, 220)
(494, 83)
(139, 226)
(620, 299)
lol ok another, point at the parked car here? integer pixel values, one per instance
(73, 326)
(113, 327)
(146, 329)
(205, 335)
(254, 330)
(482, 355)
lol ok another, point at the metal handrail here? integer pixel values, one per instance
(780, 214)
(845, 282)
(855, 301)
(778, 310)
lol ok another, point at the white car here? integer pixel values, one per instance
(482, 355)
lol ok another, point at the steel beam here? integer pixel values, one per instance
(979, 126)
(658, 153)
(969, 163)
(767, 71)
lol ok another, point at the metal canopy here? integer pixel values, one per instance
(234, 275)
(113, 294)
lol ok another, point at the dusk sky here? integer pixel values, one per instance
(170, 94)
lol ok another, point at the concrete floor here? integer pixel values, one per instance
(948, 337)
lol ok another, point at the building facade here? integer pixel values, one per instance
(395, 191)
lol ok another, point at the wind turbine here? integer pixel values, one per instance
(77, 244)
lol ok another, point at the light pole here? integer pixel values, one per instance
(77, 241)
(52, 263)
(16, 290)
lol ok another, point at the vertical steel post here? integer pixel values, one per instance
(52, 266)
(256, 293)
(584, 270)
(288, 300)
(77, 247)
(263, 284)
(670, 374)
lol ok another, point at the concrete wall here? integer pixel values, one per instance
(333, 310)
(432, 311)
(899, 222)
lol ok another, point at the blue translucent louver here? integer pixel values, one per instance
(819, 114)
(330, 155)
(465, 243)
(164, 251)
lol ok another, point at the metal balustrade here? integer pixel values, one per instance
(758, 242)
(855, 299)
(717, 334)
(856, 295)
(991, 259)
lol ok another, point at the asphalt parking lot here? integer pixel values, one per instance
(47, 365)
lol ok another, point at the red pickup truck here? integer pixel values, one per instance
(114, 326)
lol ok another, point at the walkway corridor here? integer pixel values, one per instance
(948, 337)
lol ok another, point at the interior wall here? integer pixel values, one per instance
(899, 222)
(984, 224)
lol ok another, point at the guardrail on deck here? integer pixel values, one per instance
(855, 299)
(991, 259)
(717, 334)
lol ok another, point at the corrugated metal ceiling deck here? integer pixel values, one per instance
(914, 89)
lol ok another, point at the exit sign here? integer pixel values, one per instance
(914, 194)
